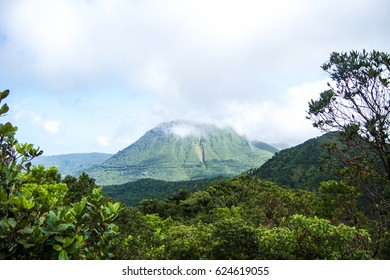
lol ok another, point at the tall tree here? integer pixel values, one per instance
(357, 104)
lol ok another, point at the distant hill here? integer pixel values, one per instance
(300, 166)
(72, 164)
(264, 146)
(133, 192)
(181, 150)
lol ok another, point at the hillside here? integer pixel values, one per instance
(72, 164)
(300, 166)
(132, 193)
(181, 150)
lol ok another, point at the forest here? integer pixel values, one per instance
(46, 216)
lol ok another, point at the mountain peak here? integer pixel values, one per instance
(181, 150)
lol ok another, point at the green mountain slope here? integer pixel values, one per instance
(133, 192)
(181, 150)
(300, 166)
(72, 164)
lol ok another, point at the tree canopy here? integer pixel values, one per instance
(357, 104)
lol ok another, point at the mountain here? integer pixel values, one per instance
(181, 150)
(72, 164)
(301, 166)
(264, 146)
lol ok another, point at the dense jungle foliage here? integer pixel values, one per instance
(133, 192)
(249, 218)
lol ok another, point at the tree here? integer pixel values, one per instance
(37, 218)
(313, 238)
(357, 104)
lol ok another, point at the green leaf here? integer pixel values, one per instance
(57, 247)
(60, 239)
(113, 207)
(4, 109)
(63, 255)
(78, 208)
(4, 94)
(63, 227)
(27, 204)
(68, 241)
(12, 222)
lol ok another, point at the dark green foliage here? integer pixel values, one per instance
(339, 203)
(234, 239)
(133, 192)
(357, 104)
(80, 187)
(304, 166)
(247, 218)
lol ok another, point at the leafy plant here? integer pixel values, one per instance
(36, 220)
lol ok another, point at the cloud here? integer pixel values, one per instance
(184, 129)
(175, 47)
(103, 141)
(50, 126)
(241, 63)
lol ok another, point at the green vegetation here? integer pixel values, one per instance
(357, 105)
(179, 151)
(45, 216)
(304, 166)
(39, 217)
(247, 218)
(133, 192)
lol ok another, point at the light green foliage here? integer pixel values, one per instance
(36, 221)
(160, 227)
(314, 238)
(45, 186)
(189, 242)
(43, 227)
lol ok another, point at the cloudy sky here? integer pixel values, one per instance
(94, 75)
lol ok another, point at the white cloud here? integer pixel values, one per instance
(103, 141)
(228, 62)
(185, 129)
(50, 126)
(288, 118)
